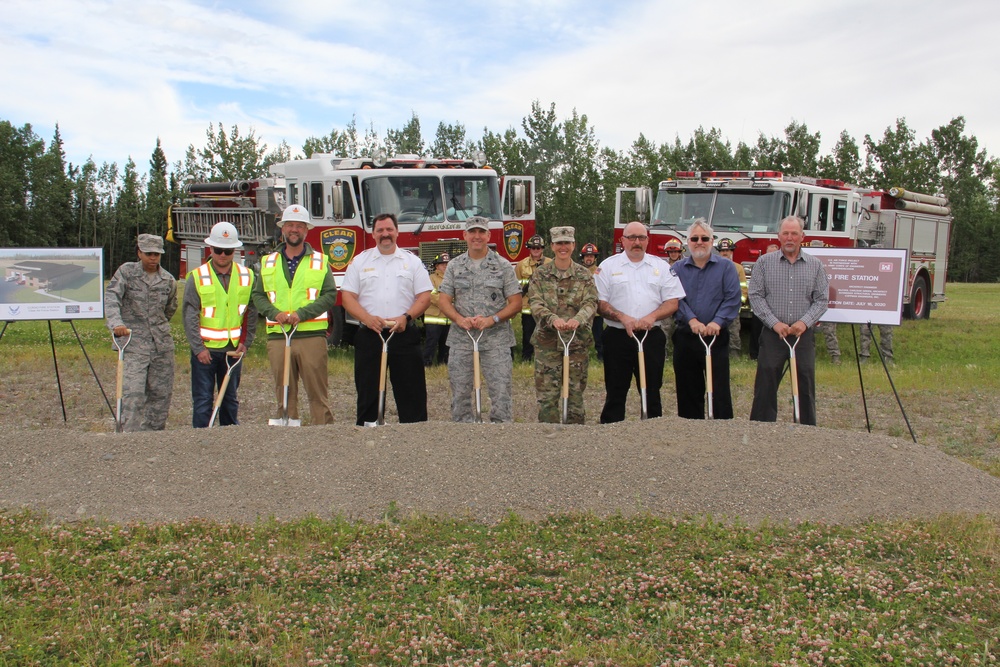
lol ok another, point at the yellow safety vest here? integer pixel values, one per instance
(305, 288)
(222, 311)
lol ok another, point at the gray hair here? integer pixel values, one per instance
(799, 221)
(703, 223)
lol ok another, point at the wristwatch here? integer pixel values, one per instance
(409, 318)
(496, 319)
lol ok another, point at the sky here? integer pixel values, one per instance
(116, 75)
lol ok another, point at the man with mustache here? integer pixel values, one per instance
(385, 289)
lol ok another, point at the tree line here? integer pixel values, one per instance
(45, 202)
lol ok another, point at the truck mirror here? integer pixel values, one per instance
(337, 195)
(643, 198)
(519, 194)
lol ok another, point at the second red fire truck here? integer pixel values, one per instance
(747, 206)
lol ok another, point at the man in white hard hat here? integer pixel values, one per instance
(297, 289)
(218, 318)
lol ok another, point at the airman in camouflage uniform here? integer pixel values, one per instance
(563, 299)
(142, 297)
(884, 344)
(480, 294)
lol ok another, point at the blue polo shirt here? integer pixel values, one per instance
(712, 293)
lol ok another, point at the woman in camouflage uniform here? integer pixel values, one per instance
(563, 299)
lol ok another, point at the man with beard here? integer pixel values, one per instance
(385, 289)
(711, 302)
(297, 289)
(636, 292)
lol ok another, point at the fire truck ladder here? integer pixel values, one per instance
(194, 223)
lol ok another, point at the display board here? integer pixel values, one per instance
(866, 284)
(51, 283)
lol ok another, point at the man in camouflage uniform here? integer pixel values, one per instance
(142, 297)
(726, 249)
(884, 343)
(674, 250)
(480, 293)
(563, 299)
(523, 271)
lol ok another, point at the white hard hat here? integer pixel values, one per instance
(295, 213)
(224, 235)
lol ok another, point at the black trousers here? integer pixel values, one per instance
(436, 343)
(621, 365)
(598, 329)
(527, 328)
(689, 374)
(770, 368)
(406, 374)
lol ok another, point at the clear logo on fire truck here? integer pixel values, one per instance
(513, 238)
(339, 244)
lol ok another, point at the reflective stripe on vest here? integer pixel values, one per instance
(305, 288)
(432, 319)
(221, 319)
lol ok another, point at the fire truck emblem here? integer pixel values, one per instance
(513, 238)
(339, 244)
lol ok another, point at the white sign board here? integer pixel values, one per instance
(51, 283)
(866, 284)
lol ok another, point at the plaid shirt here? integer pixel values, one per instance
(781, 291)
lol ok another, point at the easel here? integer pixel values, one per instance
(55, 363)
(888, 375)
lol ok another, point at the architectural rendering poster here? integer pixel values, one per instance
(51, 283)
(866, 284)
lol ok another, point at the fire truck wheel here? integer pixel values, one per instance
(919, 307)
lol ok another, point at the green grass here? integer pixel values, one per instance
(564, 591)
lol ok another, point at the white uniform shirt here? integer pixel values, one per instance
(636, 288)
(386, 285)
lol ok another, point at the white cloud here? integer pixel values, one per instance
(117, 74)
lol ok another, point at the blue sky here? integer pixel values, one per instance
(117, 74)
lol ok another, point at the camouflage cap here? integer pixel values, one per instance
(477, 222)
(563, 234)
(150, 243)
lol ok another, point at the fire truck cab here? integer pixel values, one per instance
(431, 198)
(748, 206)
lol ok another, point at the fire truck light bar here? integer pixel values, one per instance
(729, 174)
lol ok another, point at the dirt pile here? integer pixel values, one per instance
(667, 466)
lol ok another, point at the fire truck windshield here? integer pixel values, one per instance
(747, 211)
(432, 198)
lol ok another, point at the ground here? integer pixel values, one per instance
(670, 467)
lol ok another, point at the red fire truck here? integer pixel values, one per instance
(747, 206)
(431, 198)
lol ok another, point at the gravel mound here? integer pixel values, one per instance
(668, 467)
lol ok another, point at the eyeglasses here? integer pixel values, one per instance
(635, 237)
(222, 251)
(703, 239)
